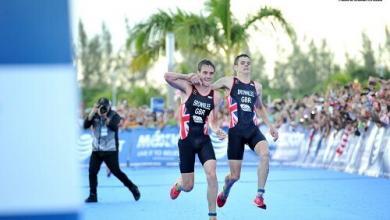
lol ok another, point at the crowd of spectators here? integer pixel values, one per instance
(351, 106)
(143, 116)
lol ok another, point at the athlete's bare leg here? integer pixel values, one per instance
(212, 185)
(233, 176)
(186, 182)
(230, 179)
(262, 151)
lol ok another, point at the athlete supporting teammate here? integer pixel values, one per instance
(198, 101)
(244, 101)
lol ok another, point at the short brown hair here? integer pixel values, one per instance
(205, 62)
(239, 56)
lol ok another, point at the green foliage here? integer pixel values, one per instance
(384, 56)
(258, 70)
(368, 58)
(215, 34)
(314, 71)
(386, 73)
(369, 66)
(139, 95)
(136, 96)
(91, 95)
(94, 57)
(270, 92)
(336, 80)
(303, 71)
(101, 69)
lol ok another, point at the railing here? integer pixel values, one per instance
(367, 154)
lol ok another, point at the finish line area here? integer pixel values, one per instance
(291, 193)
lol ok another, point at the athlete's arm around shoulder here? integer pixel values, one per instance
(223, 83)
(179, 81)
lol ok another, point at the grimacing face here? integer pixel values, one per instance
(243, 65)
(206, 74)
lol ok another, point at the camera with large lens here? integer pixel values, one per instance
(103, 109)
(103, 105)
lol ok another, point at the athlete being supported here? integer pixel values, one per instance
(198, 101)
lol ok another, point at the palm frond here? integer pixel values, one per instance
(145, 58)
(268, 12)
(153, 30)
(192, 32)
(220, 9)
(195, 33)
(216, 34)
(239, 36)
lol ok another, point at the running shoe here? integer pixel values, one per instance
(135, 191)
(174, 192)
(259, 202)
(221, 199)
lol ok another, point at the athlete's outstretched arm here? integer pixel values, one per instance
(223, 83)
(179, 81)
(214, 122)
(262, 111)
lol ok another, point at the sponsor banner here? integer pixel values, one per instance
(157, 104)
(138, 146)
(152, 145)
(287, 147)
(386, 154)
(367, 154)
(375, 161)
(368, 144)
(313, 147)
(343, 149)
(158, 147)
(334, 140)
(320, 151)
(357, 151)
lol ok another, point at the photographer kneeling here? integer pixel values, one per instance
(105, 123)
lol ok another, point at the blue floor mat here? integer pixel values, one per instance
(291, 193)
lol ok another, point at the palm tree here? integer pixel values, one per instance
(218, 34)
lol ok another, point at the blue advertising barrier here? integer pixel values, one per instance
(138, 146)
(149, 146)
(157, 147)
(367, 154)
